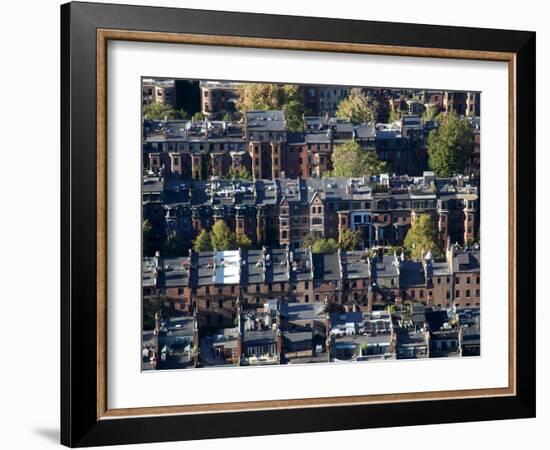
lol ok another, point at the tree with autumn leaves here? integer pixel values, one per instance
(268, 96)
(422, 237)
(359, 108)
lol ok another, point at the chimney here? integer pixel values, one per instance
(370, 298)
(450, 253)
(157, 323)
(157, 259)
(349, 188)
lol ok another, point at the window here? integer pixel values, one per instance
(220, 304)
(180, 291)
(457, 280)
(207, 289)
(467, 280)
(448, 295)
(477, 280)
(438, 280)
(457, 294)
(421, 293)
(477, 292)
(306, 298)
(468, 293)
(306, 284)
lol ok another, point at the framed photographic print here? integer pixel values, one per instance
(277, 224)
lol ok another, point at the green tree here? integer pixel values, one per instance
(422, 237)
(163, 111)
(450, 147)
(350, 240)
(173, 246)
(239, 174)
(267, 96)
(325, 246)
(259, 96)
(358, 108)
(244, 242)
(152, 305)
(311, 238)
(350, 160)
(294, 115)
(431, 113)
(198, 116)
(146, 233)
(203, 242)
(222, 237)
(395, 115)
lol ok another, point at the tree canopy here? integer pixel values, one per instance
(422, 237)
(358, 108)
(203, 242)
(267, 96)
(239, 174)
(450, 147)
(395, 115)
(320, 245)
(173, 246)
(350, 160)
(431, 113)
(152, 306)
(220, 238)
(244, 242)
(146, 231)
(163, 111)
(349, 240)
(324, 246)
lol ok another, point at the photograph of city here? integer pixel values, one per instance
(296, 224)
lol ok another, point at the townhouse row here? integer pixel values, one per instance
(283, 212)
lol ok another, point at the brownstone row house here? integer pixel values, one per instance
(285, 211)
(270, 306)
(261, 144)
(214, 284)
